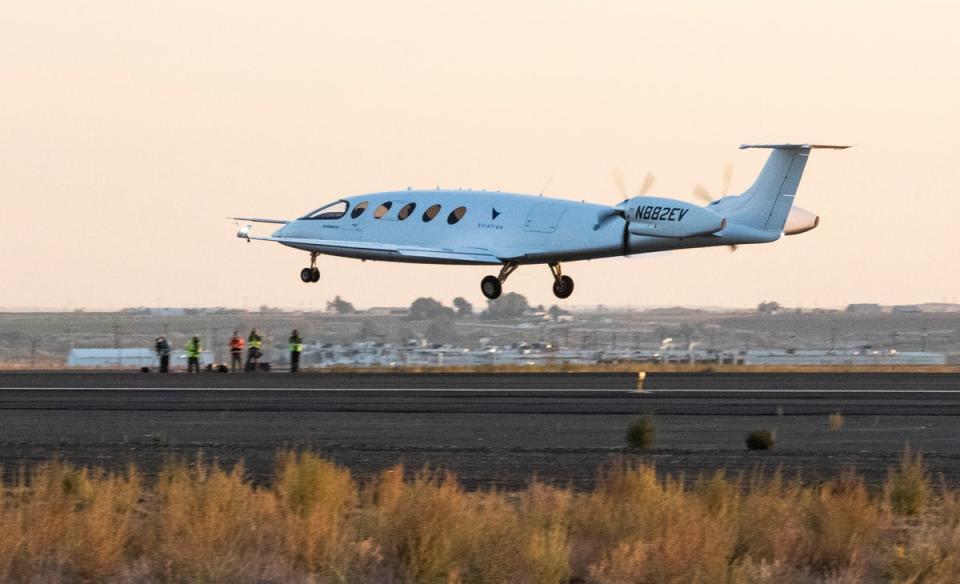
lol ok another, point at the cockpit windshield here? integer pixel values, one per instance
(334, 210)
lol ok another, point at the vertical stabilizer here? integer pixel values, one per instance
(766, 204)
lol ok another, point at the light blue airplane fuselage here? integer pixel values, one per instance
(525, 228)
(444, 226)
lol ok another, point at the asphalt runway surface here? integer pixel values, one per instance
(495, 430)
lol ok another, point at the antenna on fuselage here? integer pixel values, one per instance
(545, 185)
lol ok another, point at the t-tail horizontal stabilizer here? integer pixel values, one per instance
(794, 146)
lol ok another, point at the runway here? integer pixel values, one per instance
(492, 430)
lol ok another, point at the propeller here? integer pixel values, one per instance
(702, 193)
(610, 213)
(618, 179)
(618, 211)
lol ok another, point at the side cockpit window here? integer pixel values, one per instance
(334, 210)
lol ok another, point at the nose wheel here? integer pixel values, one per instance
(492, 286)
(562, 285)
(311, 274)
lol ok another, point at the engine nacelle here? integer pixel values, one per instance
(800, 221)
(659, 217)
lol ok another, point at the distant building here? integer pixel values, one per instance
(132, 358)
(387, 311)
(864, 308)
(906, 309)
(940, 307)
(865, 357)
(165, 311)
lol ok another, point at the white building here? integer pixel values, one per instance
(865, 357)
(132, 358)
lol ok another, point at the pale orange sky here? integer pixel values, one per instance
(128, 130)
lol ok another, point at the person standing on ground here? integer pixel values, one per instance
(254, 343)
(194, 348)
(296, 347)
(236, 351)
(162, 347)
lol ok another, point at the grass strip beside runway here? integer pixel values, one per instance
(196, 523)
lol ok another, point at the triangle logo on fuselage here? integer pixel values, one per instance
(495, 214)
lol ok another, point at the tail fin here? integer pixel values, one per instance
(766, 204)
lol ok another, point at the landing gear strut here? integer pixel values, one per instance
(562, 285)
(492, 286)
(311, 274)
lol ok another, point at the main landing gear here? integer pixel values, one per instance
(492, 286)
(562, 285)
(311, 274)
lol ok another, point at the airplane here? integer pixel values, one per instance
(509, 230)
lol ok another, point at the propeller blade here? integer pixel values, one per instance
(648, 181)
(625, 243)
(727, 179)
(617, 175)
(702, 192)
(606, 215)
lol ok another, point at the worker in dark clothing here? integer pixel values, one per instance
(254, 344)
(162, 347)
(296, 347)
(194, 348)
(236, 351)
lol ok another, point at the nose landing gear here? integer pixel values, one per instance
(311, 274)
(492, 286)
(562, 285)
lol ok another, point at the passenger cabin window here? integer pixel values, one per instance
(382, 210)
(334, 210)
(456, 215)
(358, 210)
(430, 213)
(406, 210)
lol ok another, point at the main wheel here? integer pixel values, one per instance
(491, 287)
(563, 287)
(314, 275)
(306, 275)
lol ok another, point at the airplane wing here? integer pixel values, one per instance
(260, 220)
(465, 255)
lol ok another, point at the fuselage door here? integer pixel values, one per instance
(544, 217)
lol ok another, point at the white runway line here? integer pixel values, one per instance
(802, 390)
(331, 389)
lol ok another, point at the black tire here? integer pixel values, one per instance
(563, 287)
(491, 287)
(314, 275)
(306, 275)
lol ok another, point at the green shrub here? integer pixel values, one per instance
(641, 433)
(760, 440)
(908, 485)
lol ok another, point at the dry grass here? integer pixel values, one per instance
(316, 524)
(835, 421)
